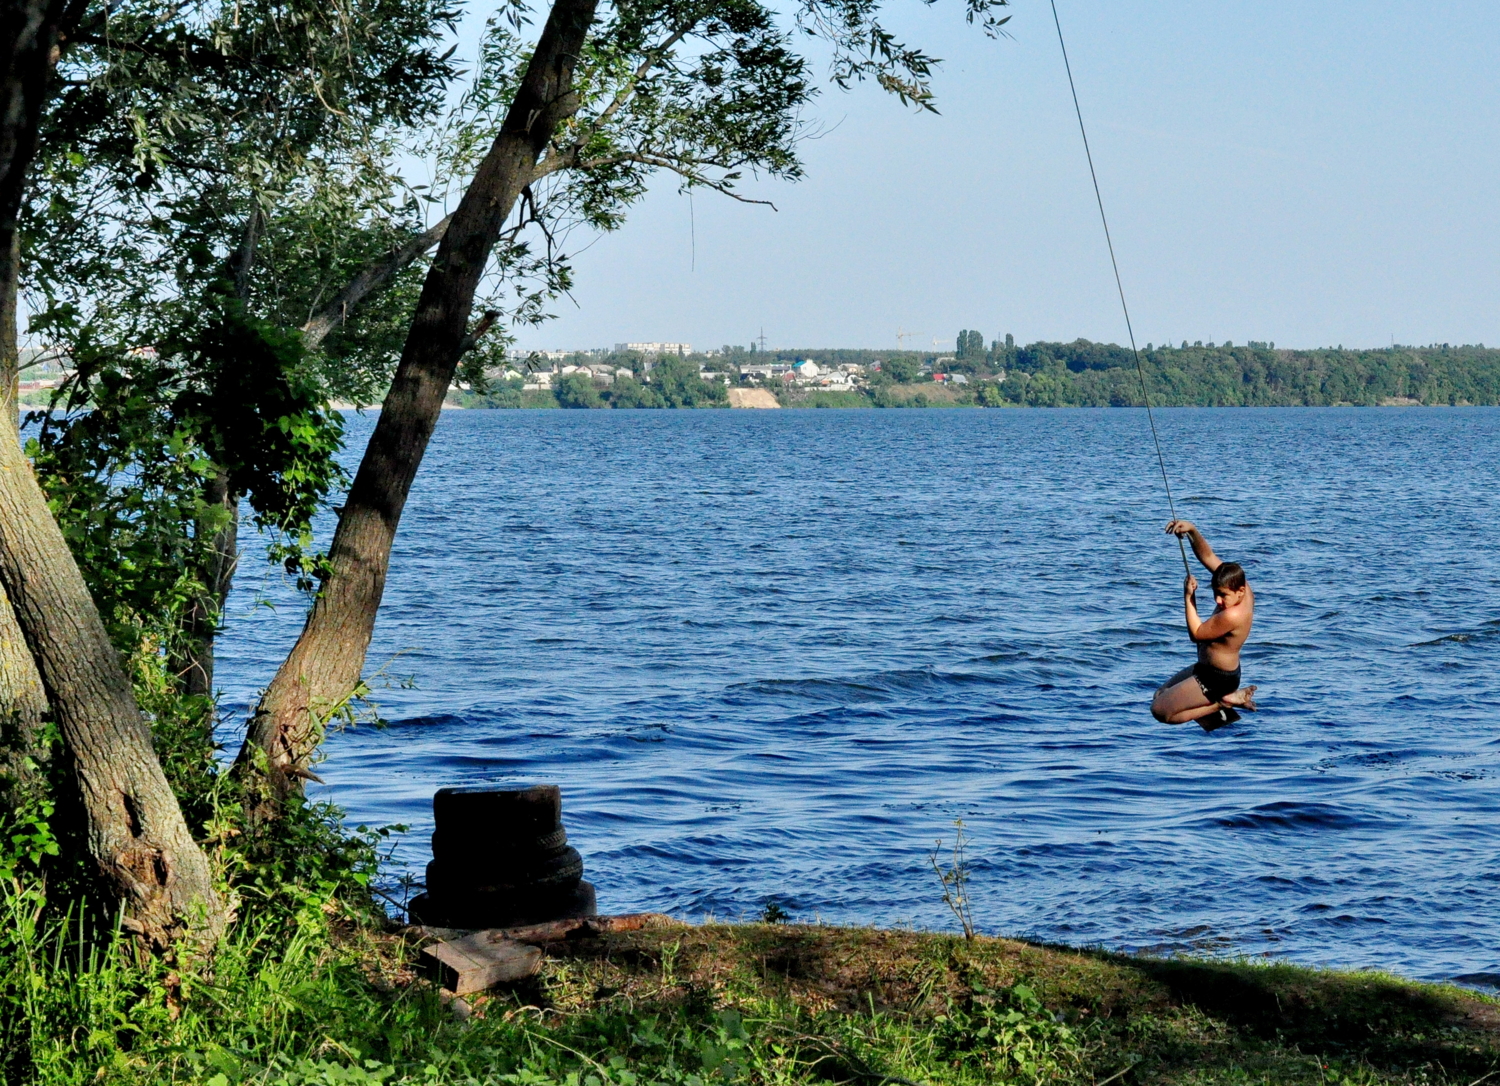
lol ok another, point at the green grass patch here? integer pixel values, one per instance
(843, 398)
(319, 998)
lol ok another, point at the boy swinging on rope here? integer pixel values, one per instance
(1212, 685)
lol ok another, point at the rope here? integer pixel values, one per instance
(1119, 284)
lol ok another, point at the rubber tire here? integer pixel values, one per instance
(420, 910)
(490, 849)
(450, 877)
(578, 902)
(519, 814)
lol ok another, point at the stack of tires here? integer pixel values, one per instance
(501, 859)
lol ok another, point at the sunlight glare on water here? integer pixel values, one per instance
(773, 655)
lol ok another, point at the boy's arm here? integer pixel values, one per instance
(1219, 623)
(1205, 553)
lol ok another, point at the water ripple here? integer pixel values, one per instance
(773, 655)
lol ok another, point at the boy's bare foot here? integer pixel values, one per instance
(1243, 698)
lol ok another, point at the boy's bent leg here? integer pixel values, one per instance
(1181, 699)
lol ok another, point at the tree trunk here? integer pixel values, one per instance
(193, 660)
(323, 669)
(22, 702)
(22, 705)
(10, 347)
(134, 826)
(132, 823)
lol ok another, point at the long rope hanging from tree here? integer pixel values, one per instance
(1119, 285)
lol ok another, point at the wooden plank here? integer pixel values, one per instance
(472, 964)
(482, 959)
(556, 931)
(553, 931)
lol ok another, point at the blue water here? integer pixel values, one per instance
(774, 655)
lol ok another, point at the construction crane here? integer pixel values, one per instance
(902, 337)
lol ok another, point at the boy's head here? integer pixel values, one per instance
(1228, 579)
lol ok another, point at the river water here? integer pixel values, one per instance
(772, 656)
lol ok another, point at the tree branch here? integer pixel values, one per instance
(682, 169)
(486, 322)
(622, 96)
(244, 257)
(369, 281)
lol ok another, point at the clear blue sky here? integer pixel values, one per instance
(1312, 174)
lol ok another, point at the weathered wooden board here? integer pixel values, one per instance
(474, 963)
(470, 963)
(555, 931)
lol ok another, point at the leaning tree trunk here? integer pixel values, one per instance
(134, 827)
(192, 658)
(323, 669)
(22, 705)
(22, 702)
(53, 647)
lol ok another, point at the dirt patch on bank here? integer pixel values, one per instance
(752, 397)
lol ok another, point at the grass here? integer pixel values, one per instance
(324, 999)
(927, 394)
(937, 1008)
(818, 398)
(924, 394)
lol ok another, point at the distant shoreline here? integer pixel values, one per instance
(974, 407)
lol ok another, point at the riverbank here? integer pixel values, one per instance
(1042, 374)
(700, 1005)
(778, 1003)
(928, 395)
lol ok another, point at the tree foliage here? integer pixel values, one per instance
(577, 390)
(208, 174)
(902, 369)
(970, 346)
(676, 382)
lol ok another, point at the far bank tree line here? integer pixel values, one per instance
(1256, 374)
(1084, 374)
(1077, 374)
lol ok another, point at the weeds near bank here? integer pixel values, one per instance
(78, 1005)
(774, 913)
(955, 879)
(288, 1003)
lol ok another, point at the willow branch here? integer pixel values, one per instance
(684, 168)
(372, 279)
(486, 322)
(623, 95)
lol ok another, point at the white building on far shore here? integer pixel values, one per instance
(655, 348)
